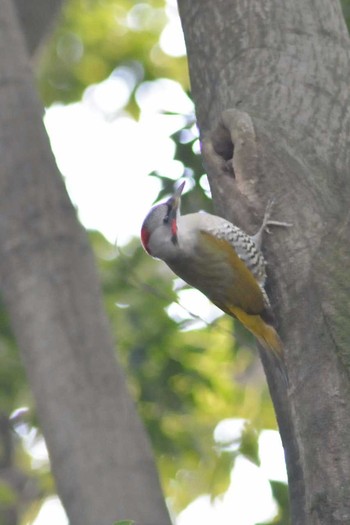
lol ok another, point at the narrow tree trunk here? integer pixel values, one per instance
(100, 455)
(284, 68)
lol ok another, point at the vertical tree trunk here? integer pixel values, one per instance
(100, 455)
(284, 68)
(37, 18)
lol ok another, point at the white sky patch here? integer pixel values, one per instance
(172, 39)
(163, 95)
(229, 432)
(271, 455)
(105, 166)
(271, 451)
(247, 501)
(51, 513)
(105, 163)
(193, 306)
(109, 96)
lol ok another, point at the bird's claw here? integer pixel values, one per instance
(267, 222)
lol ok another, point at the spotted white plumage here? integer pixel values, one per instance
(245, 248)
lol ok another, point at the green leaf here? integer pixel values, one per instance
(124, 522)
(95, 39)
(281, 495)
(249, 444)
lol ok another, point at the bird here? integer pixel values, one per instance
(219, 259)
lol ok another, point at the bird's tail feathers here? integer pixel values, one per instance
(266, 335)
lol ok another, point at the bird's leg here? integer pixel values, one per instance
(257, 238)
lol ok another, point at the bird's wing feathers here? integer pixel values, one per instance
(245, 300)
(244, 290)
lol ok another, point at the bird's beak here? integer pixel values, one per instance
(174, 205)
(175, 201)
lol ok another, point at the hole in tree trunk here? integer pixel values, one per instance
(224, 147)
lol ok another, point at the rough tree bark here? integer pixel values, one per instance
(100, 455)
(283, 70)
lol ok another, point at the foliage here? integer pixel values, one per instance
(96, 39)
(186, 141)
(185, 381)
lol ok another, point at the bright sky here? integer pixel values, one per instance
(105, 165)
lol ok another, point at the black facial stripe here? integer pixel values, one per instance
(166, 218)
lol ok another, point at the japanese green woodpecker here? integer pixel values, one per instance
(219, 259)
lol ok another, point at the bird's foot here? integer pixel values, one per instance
(257, 238)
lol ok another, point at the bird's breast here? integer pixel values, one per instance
(204, 269)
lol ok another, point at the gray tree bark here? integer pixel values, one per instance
(37, 18)
(99, 452)
(282, 70)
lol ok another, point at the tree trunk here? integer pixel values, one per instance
(37, 18)
(282, 71)
(100, 455)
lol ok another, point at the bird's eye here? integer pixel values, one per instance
(166, 218)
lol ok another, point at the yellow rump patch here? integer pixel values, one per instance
(264, 332)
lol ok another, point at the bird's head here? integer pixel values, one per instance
(160, 225)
